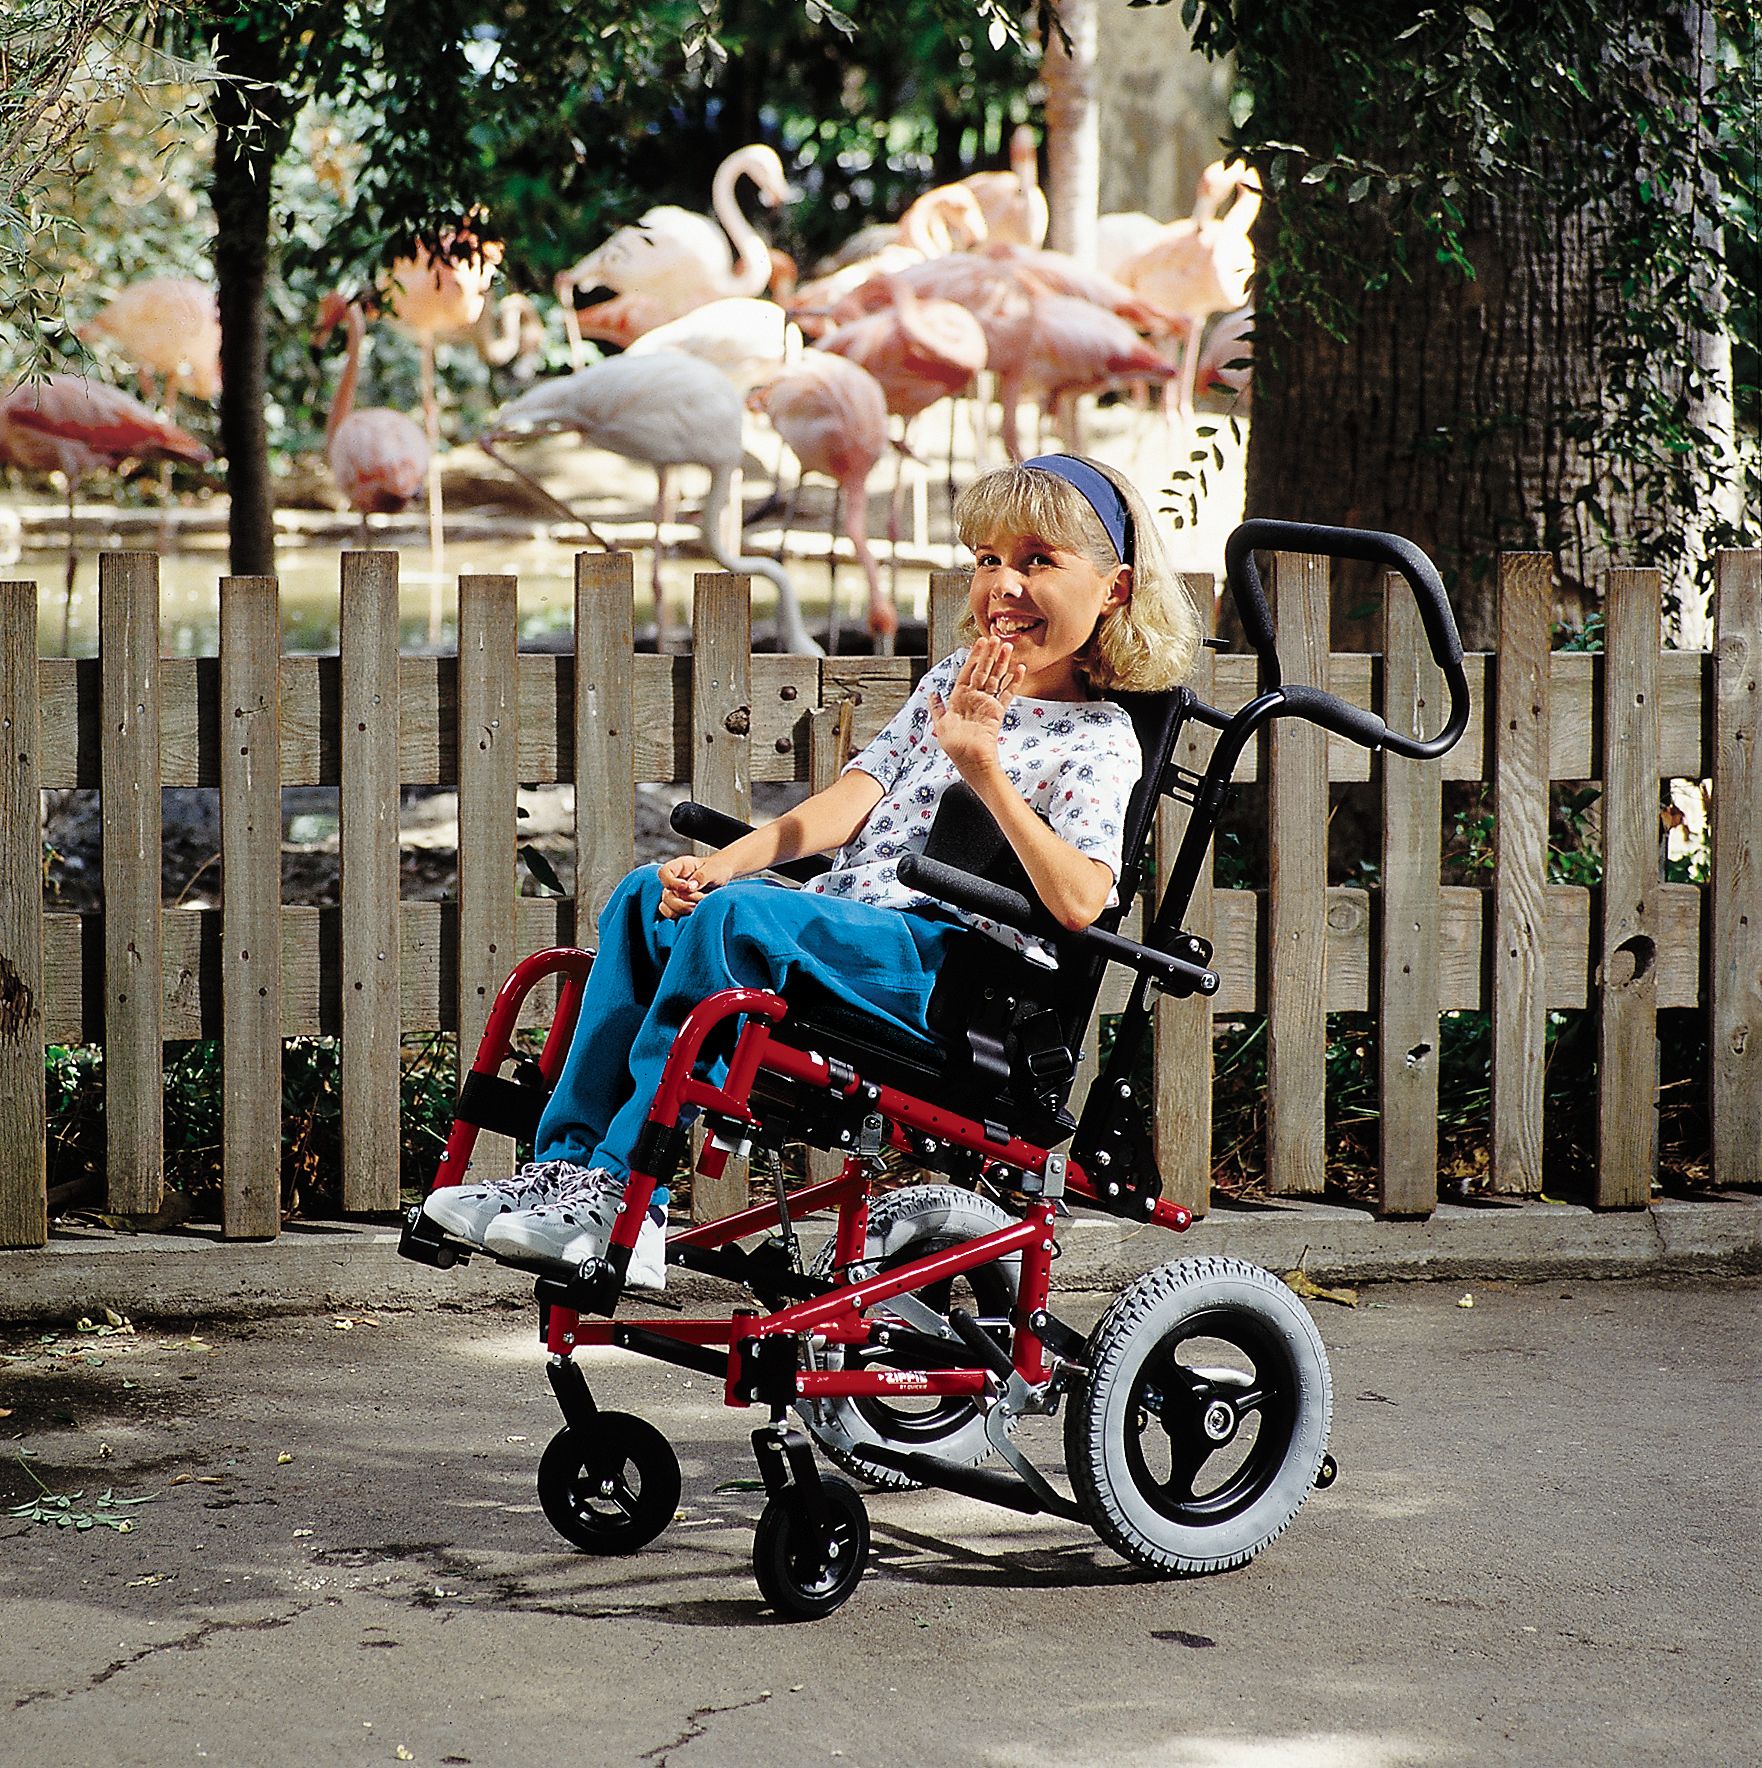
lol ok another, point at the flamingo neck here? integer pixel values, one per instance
(498, 330)
(752, 257)
(791, 628)
(344, 401)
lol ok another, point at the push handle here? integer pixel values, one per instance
(1374, 548)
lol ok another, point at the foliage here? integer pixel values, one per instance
(1439, 117)
(68, 69)
(311, 1119)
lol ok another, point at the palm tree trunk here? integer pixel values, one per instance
(1073, 129)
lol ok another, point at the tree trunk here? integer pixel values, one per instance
(1446, 413)
(252, 117)
(1073, 129)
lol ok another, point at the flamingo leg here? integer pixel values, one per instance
(663, 514)
(72, 568)
(883, 617)
(893, 501)
(788, 519)
(921, 529)
(437, 545)
(832, 571)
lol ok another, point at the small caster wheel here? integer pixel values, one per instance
(803, 1574)
(613, 1491)
(1327, 1473)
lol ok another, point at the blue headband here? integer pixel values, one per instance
(1098, 491)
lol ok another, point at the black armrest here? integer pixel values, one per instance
(1176, 976)
(715, 828)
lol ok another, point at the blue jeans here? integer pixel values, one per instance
(649, 973)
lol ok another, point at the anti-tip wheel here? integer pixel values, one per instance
(802, 1572)
(612, 1491)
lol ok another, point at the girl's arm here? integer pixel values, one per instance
(817, 825)
(1073, 887)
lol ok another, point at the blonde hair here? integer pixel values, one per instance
(1146, 644)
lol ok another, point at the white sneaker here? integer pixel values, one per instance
(579, 1227)
(466, 1210)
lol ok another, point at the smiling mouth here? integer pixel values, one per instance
(1014, 625)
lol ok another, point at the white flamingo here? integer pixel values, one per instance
(667, 409)
(674, 260)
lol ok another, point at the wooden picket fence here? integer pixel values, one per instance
(367, 720)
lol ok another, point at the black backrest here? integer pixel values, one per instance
(964, 834)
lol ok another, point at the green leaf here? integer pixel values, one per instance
(541, 868)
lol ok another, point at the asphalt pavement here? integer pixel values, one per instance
(1542, 1548)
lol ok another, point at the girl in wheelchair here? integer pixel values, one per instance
(1072, 597)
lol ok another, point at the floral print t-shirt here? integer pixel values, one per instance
(1075, 761)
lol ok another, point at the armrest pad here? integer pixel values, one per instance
(1177, 976)
(717, 829)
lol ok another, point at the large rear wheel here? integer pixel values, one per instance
(1203, 1423)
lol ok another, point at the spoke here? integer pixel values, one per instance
(1186, 1461)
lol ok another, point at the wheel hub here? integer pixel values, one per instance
(1219, 1421)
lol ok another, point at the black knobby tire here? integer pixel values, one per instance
(1203, 1423)
(613, 1491)
(801, 1574)
(904, 1225)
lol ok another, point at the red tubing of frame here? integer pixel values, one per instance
(497, 1042)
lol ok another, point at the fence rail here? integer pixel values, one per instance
(255, 971)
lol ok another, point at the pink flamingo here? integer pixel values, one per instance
(920, 350)
(1013, 293)
(444, 297)
(833, 415)
(941, 221)
(1202, 265)
(1226, 360)
(679, 260)
(1013, 202)
(378, 457)
(73, 426)
(169, 327)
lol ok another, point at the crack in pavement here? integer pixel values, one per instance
(190, 1642)
(695, 1728)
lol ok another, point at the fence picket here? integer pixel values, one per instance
(1735, 947)
(948, 602)
(1183, 1029)
(1627, 1032)
(489, 784)
(250, 871)
(134, 971)
(1408, 954)
(605, 732)
(370, 1014)
(24, 1216)
(721, 766)
(1520, 870)
(1297, 909)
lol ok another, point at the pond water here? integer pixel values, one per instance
(189, 578)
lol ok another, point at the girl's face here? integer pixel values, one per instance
(1045, 602)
